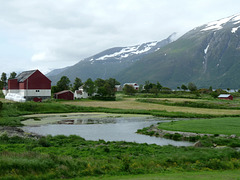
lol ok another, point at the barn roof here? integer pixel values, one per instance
(132, 84)
(24, 75)
(224, 95)
(65, 91)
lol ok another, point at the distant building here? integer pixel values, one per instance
(118, 88)
(134, 85)
(4, 91)
(66, 95)
(225, 96)
(80, 93)
(29, 85)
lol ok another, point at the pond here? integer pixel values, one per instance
(107, 128)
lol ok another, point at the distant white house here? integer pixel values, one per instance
(134, 85)
(118, 88)
(80, 93)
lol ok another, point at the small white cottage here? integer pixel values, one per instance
(80, 93)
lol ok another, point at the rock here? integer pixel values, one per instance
(197, 144)
(233, 136)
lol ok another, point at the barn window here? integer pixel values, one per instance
(37, 90)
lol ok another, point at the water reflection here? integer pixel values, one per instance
(121, 129)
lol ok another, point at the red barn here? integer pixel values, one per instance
(66, 95)
(31, 85)
(225, 96)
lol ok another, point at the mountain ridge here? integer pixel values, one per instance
(107, 63)
(207, 55)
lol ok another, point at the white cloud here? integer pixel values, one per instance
(39, 57)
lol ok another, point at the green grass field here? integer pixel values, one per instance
(203, 175)
(73, 157)
(228, 126)
(132, 104)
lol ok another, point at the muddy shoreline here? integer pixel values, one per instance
(17, 131)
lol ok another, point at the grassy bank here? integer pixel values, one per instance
(209, 132)
(73, 157)
(228, 126)
(202, 175)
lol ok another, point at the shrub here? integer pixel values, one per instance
(104, 98)
(214, 94)
(1, 104)
(177, 137)
(44, 142)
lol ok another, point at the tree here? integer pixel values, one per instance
(89, 87)
(113, 82)
(54, 89)
(77, 83)
(13, 75)
(106, 87)
(63, 83)
(154, 90)
(110, 86)
(147, 86)
(4, 79)
(129, 90)
(210, 88)
(1, 85)
(159, 86)
(99, 83)
(184, 87)
(192, 87)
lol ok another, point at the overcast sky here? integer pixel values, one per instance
(51, 34)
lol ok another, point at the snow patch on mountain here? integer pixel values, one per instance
(206, 49)
(217, 25)
(236, 18)
(235, 29)
(128, 51)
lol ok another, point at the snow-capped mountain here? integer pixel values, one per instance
(109, 62)
(219, 24)
(125, 52)
(208, 55)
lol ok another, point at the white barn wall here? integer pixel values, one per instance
(32, 92)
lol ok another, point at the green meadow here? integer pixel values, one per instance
(227, 126)
(72, 157)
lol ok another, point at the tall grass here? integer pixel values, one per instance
(72, 157)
